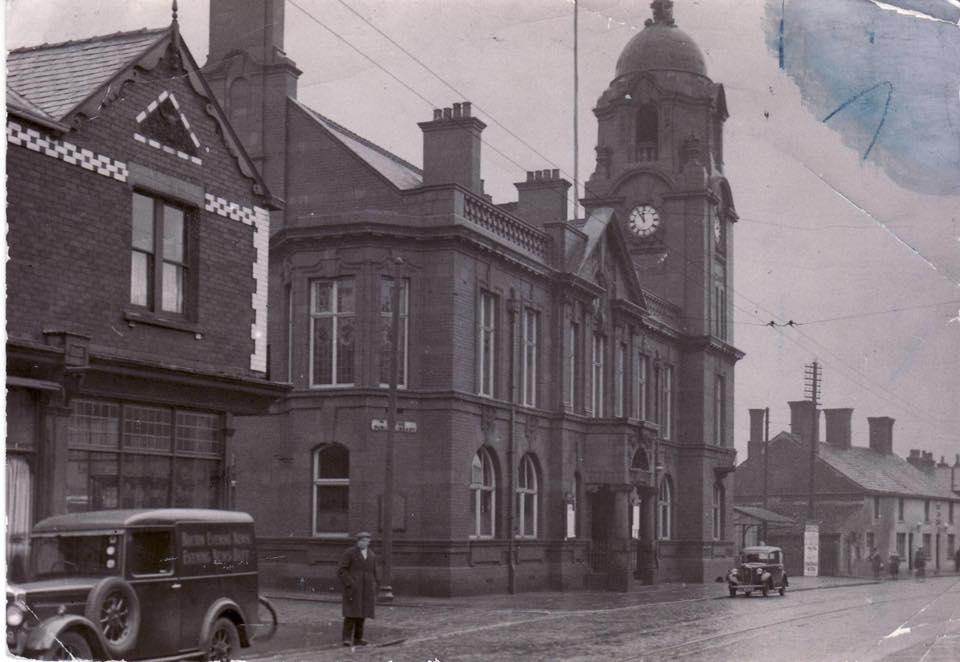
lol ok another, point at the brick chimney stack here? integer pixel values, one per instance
(755, 443)
(451, 148)
(881, 434)
(838, 427)
(802, 420)
(543, 197)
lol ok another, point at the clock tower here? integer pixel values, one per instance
(660, 166)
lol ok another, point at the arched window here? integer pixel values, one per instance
(664, 508)
(331, 490)
(527, 488)
(647, 132)
(640, 461)
(717, 511)
(483, 484)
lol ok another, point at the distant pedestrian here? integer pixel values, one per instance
(956, 561)
(894, 566)
(358, 575)
(920, 563)
(876, 562)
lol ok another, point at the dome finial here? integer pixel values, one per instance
(662, 13)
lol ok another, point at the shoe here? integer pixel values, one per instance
(360, 642)
(347, 642)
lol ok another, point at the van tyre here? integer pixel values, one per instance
(69, 645)
(113, 606)
(224, 642)
(765, 589)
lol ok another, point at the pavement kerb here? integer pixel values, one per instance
(446, 603)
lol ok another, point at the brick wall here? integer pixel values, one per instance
(70, 233)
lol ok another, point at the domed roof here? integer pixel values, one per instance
(661, 45)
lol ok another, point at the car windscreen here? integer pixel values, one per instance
(70, 555)
(761, 557)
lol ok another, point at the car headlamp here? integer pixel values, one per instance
(14, 615)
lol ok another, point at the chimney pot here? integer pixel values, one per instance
(466, 108)
(803, 419)
(556, 173)
(755, 444)
(437, 113)
(838, 427)
(881, 435)
(456, 110)
(529, 175)
(448, 113)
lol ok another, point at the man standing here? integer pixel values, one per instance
(876, 562)
(956, 561)
(358, 574)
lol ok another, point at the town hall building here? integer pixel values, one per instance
(565, 408)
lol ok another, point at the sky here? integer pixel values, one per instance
(844, 159)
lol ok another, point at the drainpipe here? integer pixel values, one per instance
(513, 309)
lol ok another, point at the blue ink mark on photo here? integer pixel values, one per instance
(783, 5)
(883, 116)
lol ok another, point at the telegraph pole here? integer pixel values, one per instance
(812, 379)
(386, 585)
(766, 449)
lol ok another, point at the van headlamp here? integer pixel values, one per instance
(14, 615)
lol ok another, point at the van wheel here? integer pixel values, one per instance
(733, 592)
(114, 608)
(69, 645)
(224, 643)
(765, 589)
(783, 589)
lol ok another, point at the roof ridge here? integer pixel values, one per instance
(342, 129)
(72, 42)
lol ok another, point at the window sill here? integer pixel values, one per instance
(133, 317)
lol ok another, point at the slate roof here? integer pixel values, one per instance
(56, 78)
(764, 515)
(877, 472)
(400, 173)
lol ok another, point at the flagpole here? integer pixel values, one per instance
(576, 114)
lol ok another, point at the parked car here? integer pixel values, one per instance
(137, 584)
(760, 569)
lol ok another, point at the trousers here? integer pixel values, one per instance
(352, 629)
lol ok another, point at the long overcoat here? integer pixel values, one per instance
(358, 576)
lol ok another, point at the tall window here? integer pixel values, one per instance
(488, 342)
(664, 508)
(331, 490)
(719, 409)
(158, 258)
(950, 516)
(483, 491)
(386, 330)
(573, 362)
(717, 511)
(902, 545)
(900, 509)
(288, 293)
(640, 388)
(596, 401)
(876, 507)
(647, 125)
(926, 510)
(720, 313)
(621, 378)
(531, 332)
(667, 397)
(332, 332)
(527, 486)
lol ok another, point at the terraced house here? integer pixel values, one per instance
(137, 281)
(565, 385)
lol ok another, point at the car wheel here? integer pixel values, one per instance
(114, 608)
(733, 592)
(747, 593)
(70, 645)
(783, 590)
(765, 589)
(224, 643)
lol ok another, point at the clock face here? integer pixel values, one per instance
(644, 220)
(717, 225)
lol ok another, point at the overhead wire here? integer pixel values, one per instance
(778, 327)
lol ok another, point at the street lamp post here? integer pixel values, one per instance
(386, 588)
